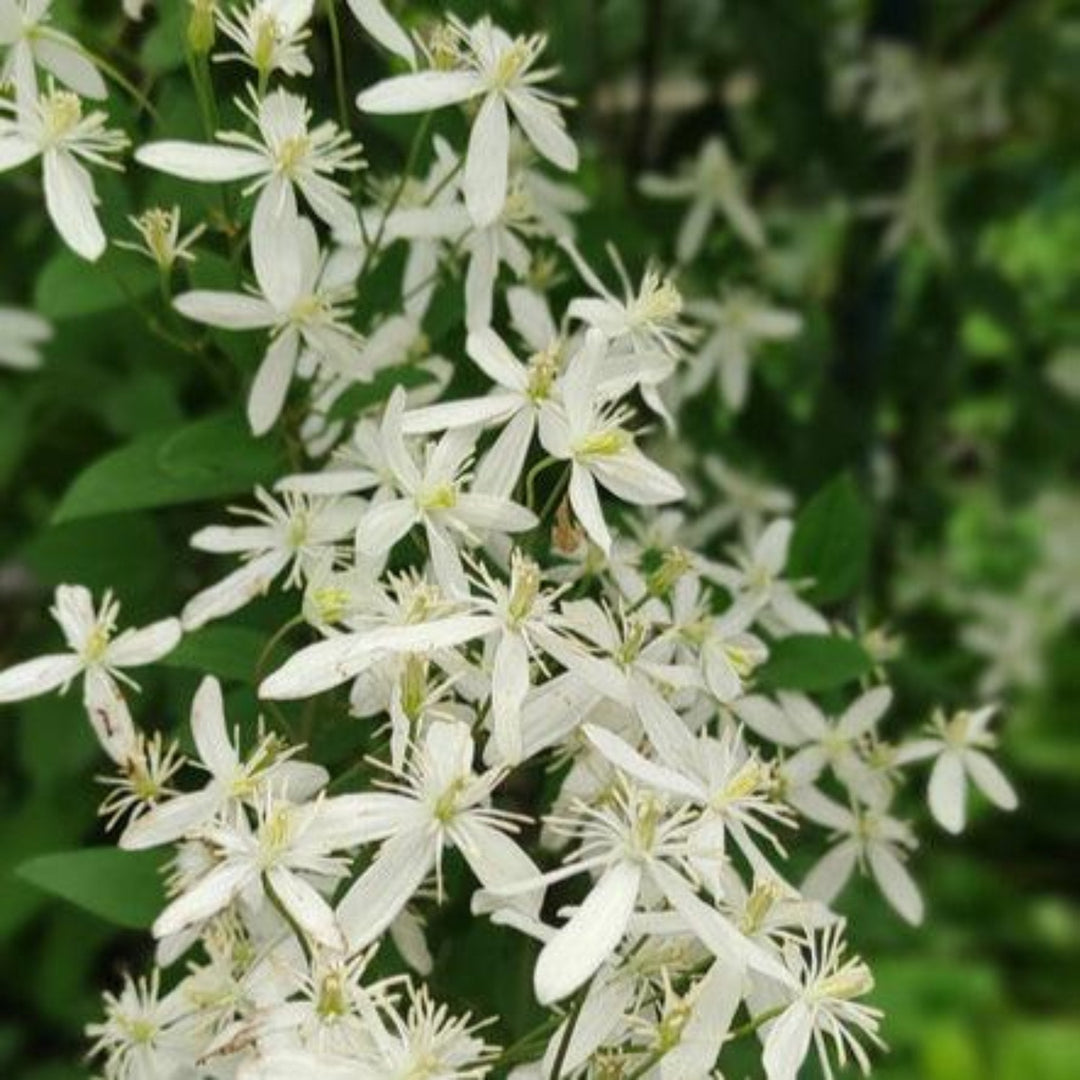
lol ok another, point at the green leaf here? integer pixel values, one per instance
(68, 288)
(206, 459)
(831, 544)
(229, 652)
(812, 662)
(362, 396)
(119, 886)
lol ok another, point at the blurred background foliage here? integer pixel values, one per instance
(942, 370)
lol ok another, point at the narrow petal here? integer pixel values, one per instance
(896, 883)
(271, 385)
(229, 311)
(170, 821)
(586, 503)
(373, 903)
(312, 913)
(69, 198)
(380, 24)
(208, 728)
(544, 128)
(990, 780)
(211, 895)
(487, 162)
(233, 592)
(383, 525)
(509, 685)
(35, 677)
(788, 1042)
(422, 92)
(590, 937)
(134, 648)
(947, 791)
(200, 161)
(109, 715)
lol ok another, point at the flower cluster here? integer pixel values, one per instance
(493, 576)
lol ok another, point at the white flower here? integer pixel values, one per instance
(746, 501)
(146, 1035)
(22, 334)
(868, 835)
(823, 1010)
(289, 155)
(590, 433)
(959, 744)
(713, 185)
(305, 310)
(435, 803)
(288, 845)
(32, 42)
(296, 531)
(233, 781)
(380, 24)
(756, 580)
(99, 655)
(795, 721)
(53, 127)
(432, 494)
(271, 35)
(737, 323)
(500, 70)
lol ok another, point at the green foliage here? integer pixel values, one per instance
(122, 887)
(205, 459)
(813, 662)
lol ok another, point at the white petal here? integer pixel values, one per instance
(171, 820)
(543, 126)
(63, 58)
(590, 937)
(865, 712)
(694, 229)
(586, 503)
(109, 715)
(134, 648)
(15, 150)
(831, 873)
(502, 465)
(380, 24)
(422, 92)
(487, 162)
(230, 594)
(38, 676)
(990, 780)
(208, 728)
(771, 549)
(277, 245)
(209, 896)
(767, 719)
(788, 1042)
(509, 685)
(372, 904)
(198, 161)
(896, 883)
(383, 525)
(493, 356)
(230, 311)
(497, 860)
(69, 198)
(625, 758)
(270, 387)
(947, 791)
(312, 913)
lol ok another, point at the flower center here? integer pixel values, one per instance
(438, 497)
(292, 153)
(61, 113)
(605, 443)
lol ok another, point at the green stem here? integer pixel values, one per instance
(339, 64)
(648, 1064)
(112, 72)
(753, 1024)
(274, 641)
(534, 474)
(568, 1034)
(556, 495)
(527, 1046)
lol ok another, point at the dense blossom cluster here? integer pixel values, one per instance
(494, 584)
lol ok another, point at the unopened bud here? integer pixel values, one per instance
(202, 30)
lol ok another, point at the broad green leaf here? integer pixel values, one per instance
(229, 652)
(122, 887)
(67, 288)
(206, 459)
(831, 544)
(813, 662)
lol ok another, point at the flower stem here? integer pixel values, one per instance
(339, 64)
(568, 1034)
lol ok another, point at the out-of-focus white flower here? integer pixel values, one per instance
(736, 325)
(500, 70)
(757, 580)
(54, 128)
(22, 335)
(99, 655)
(32, 42)
(381, 25)
(712, 185)
(959, 745)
